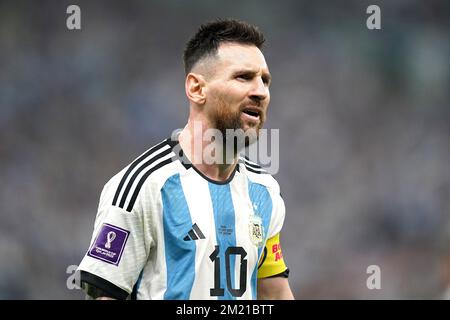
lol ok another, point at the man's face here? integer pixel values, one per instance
(237, 91)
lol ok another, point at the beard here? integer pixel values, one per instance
(229, 122)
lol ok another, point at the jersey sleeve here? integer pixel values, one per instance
(118, 250)
(278, 215)
(271, 262)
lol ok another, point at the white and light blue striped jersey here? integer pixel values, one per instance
(165, 231)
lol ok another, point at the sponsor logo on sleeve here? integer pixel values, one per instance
(109, 244)
(276, 250)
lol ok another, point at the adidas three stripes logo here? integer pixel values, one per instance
(194, 234)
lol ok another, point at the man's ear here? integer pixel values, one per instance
(195, 88)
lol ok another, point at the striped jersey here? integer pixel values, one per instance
(163, 230)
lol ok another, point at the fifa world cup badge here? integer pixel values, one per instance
(256, 230)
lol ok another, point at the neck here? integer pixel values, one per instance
(207, 156)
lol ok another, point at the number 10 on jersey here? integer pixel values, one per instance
(218, 290)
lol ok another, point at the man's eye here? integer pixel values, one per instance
(244, 77)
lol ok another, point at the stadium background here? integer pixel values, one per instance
(364, 119)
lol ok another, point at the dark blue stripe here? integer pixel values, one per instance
(180, 255)
(225, 223)
(261, 198)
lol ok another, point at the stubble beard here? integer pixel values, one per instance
(231, 126)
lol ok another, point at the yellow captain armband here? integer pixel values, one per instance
(271, 262)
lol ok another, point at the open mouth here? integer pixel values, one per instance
(252, 112)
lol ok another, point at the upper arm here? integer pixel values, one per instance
(271, 262)
(275, 288)
(272, 272)
(118, 249)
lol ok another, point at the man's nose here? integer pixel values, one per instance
(259, 91)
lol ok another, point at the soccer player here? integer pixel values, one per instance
(174, 224)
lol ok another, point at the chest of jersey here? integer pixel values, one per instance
(213, 236)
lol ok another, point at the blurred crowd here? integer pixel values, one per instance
(364, 119)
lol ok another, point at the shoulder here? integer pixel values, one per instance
(264, 187)
(257, 174)
(152, 167)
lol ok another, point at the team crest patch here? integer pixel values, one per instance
(256, 230)
(109, 244)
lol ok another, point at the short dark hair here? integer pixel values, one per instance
(210, 35)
